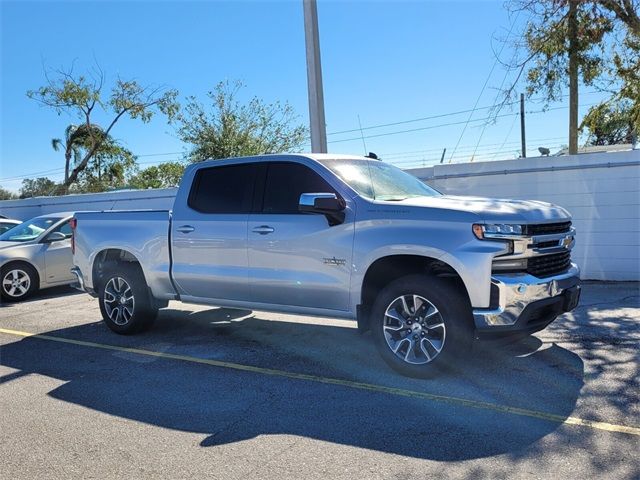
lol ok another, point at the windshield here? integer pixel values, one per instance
(29, 230)
(377, 180)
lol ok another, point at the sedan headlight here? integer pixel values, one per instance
(489, 230)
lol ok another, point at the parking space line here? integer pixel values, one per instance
(523, 412)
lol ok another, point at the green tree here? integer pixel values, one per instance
(228, 128)
(6, 194)
(38, 187)
(109, 169)
(565, 42)
(609, 124)
(82, 95)
(165, 175)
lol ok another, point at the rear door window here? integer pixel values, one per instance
(225, 189)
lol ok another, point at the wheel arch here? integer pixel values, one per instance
(386, 269)
(109, 257)
(24, 261)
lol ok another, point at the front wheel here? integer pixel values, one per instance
(421, 324)
(125, 303)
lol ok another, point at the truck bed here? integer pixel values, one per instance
(143, 233)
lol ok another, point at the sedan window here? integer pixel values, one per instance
(29, 230)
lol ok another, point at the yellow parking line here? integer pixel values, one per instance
(609, 427)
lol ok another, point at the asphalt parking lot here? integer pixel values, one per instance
(237, 394)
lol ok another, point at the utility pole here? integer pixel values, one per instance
(523, 135)
(314, 78)
(573, 77)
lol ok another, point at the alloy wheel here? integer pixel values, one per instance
(118, 301)
(16, 283)
(414, 329)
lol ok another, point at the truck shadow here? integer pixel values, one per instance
(226, 405)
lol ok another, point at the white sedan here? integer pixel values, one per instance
(35, 254)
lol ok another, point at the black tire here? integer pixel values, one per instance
(136, 311)
(18, 281)
(417, 337)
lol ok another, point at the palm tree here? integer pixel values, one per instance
(77, 138)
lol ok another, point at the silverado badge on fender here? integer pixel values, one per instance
(334, 261)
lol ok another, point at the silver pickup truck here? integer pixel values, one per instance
(336, 236)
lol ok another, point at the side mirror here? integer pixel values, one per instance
(55, 237)
(327, 204)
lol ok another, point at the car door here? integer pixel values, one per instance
(295, 258)
(58, 259)
(209, 234)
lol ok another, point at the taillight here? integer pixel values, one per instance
(73, 223)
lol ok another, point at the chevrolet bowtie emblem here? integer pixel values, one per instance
(567, 241)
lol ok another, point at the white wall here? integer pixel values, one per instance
(601, 190)
(160, 199)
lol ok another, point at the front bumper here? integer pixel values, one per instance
(522, 303)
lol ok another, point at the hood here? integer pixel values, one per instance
(7, 245)
(494, 210)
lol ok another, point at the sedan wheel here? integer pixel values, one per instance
(16, 283)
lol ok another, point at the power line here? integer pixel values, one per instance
(61, 170)
(433, 160)
(442, 115)
(409, 153)
(495, 62)
(451, 124)
(159, 154)
(507, 136)
(495, 100)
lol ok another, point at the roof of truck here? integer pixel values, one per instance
(318, 157)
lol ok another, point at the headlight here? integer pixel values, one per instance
(496, 229)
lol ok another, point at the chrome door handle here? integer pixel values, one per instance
(185, 229)
(263, 229)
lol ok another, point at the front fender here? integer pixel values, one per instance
(452, 244)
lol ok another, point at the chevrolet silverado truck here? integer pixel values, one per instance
(336, 236)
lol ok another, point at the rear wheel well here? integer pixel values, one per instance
(387, 269)
(109, 258)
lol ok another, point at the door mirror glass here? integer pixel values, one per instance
(327, 204)
(55, 237)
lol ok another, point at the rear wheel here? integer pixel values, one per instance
(125, 302)
(421, 325)
(19, 281)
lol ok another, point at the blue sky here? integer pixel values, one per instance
(385, 62)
